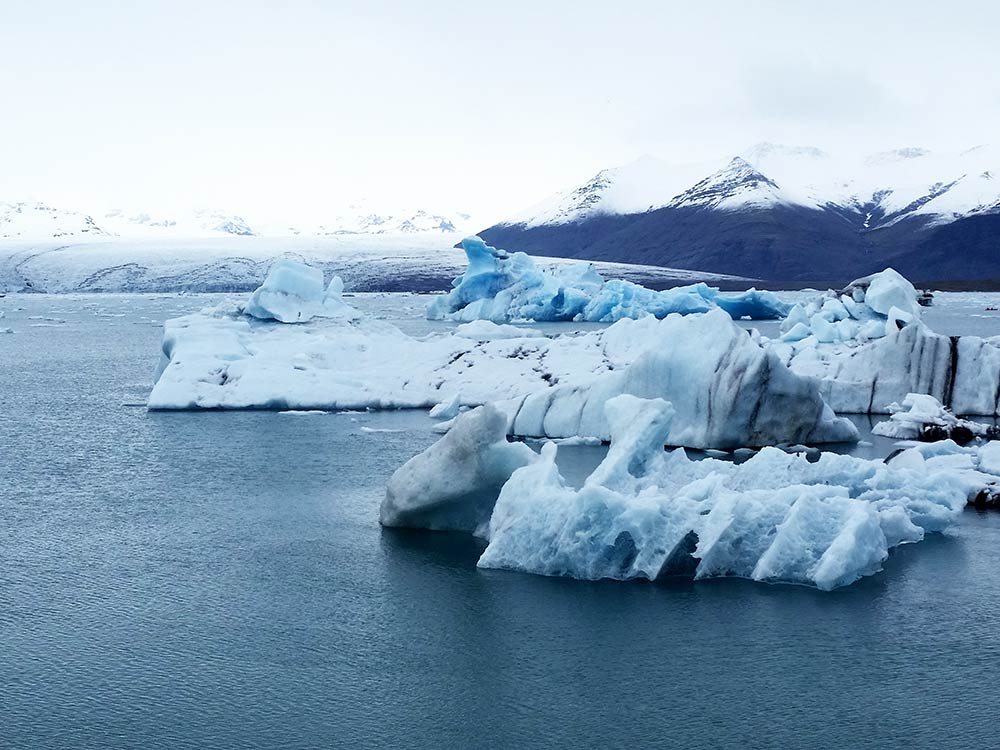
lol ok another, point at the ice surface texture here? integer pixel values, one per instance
(728, 391)
(503, 287)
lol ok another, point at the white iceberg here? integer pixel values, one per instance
(454, 483)
(293, 293)
(868, 308)
(962, 372)
(924, 417)
(503, 287)
(728, 392)
(223, 359)
(778, 517)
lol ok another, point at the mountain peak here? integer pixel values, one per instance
(737, 185)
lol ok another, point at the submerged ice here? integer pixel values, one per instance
(503, 287)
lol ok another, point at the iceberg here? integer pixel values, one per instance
(727, 389)
(868, 308)
(293, 293)
(644, 513)
(454, 484)
(485, 330)
(962, 372)
(502, 287)
(778, 517)
(870, 350)
(225, 358)
(222, 358)
(923, 417)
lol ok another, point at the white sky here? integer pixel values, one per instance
(291, 109)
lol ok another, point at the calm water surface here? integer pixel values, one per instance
(219, 580)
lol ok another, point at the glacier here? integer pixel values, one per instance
(644, 513)
(502, 287)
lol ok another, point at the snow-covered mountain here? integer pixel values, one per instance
(29, 221)
(363, 219)
(32, 221)
(198, 223)
(778, 212)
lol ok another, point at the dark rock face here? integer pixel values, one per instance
(778, 244)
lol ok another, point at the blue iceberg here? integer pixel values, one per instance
(503, 287)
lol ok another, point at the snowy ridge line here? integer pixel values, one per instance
(875, 191)
(38, 221)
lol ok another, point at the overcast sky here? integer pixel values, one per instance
(293, 108)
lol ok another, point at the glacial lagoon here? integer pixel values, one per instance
(220, 580)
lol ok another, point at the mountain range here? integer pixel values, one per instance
(781, 214)
(33, 221)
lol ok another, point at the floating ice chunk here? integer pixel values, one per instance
(870, 308)
(963, 373)
(777, 517)
(293, 293)
(890, 289)
(289, 294)
(989, 458)
(923, 416)
(727, 389)
(486, 330)
(501, 287)
(454, 483)
(797, 332)
(447, 409)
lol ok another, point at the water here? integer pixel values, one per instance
(219, 580)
